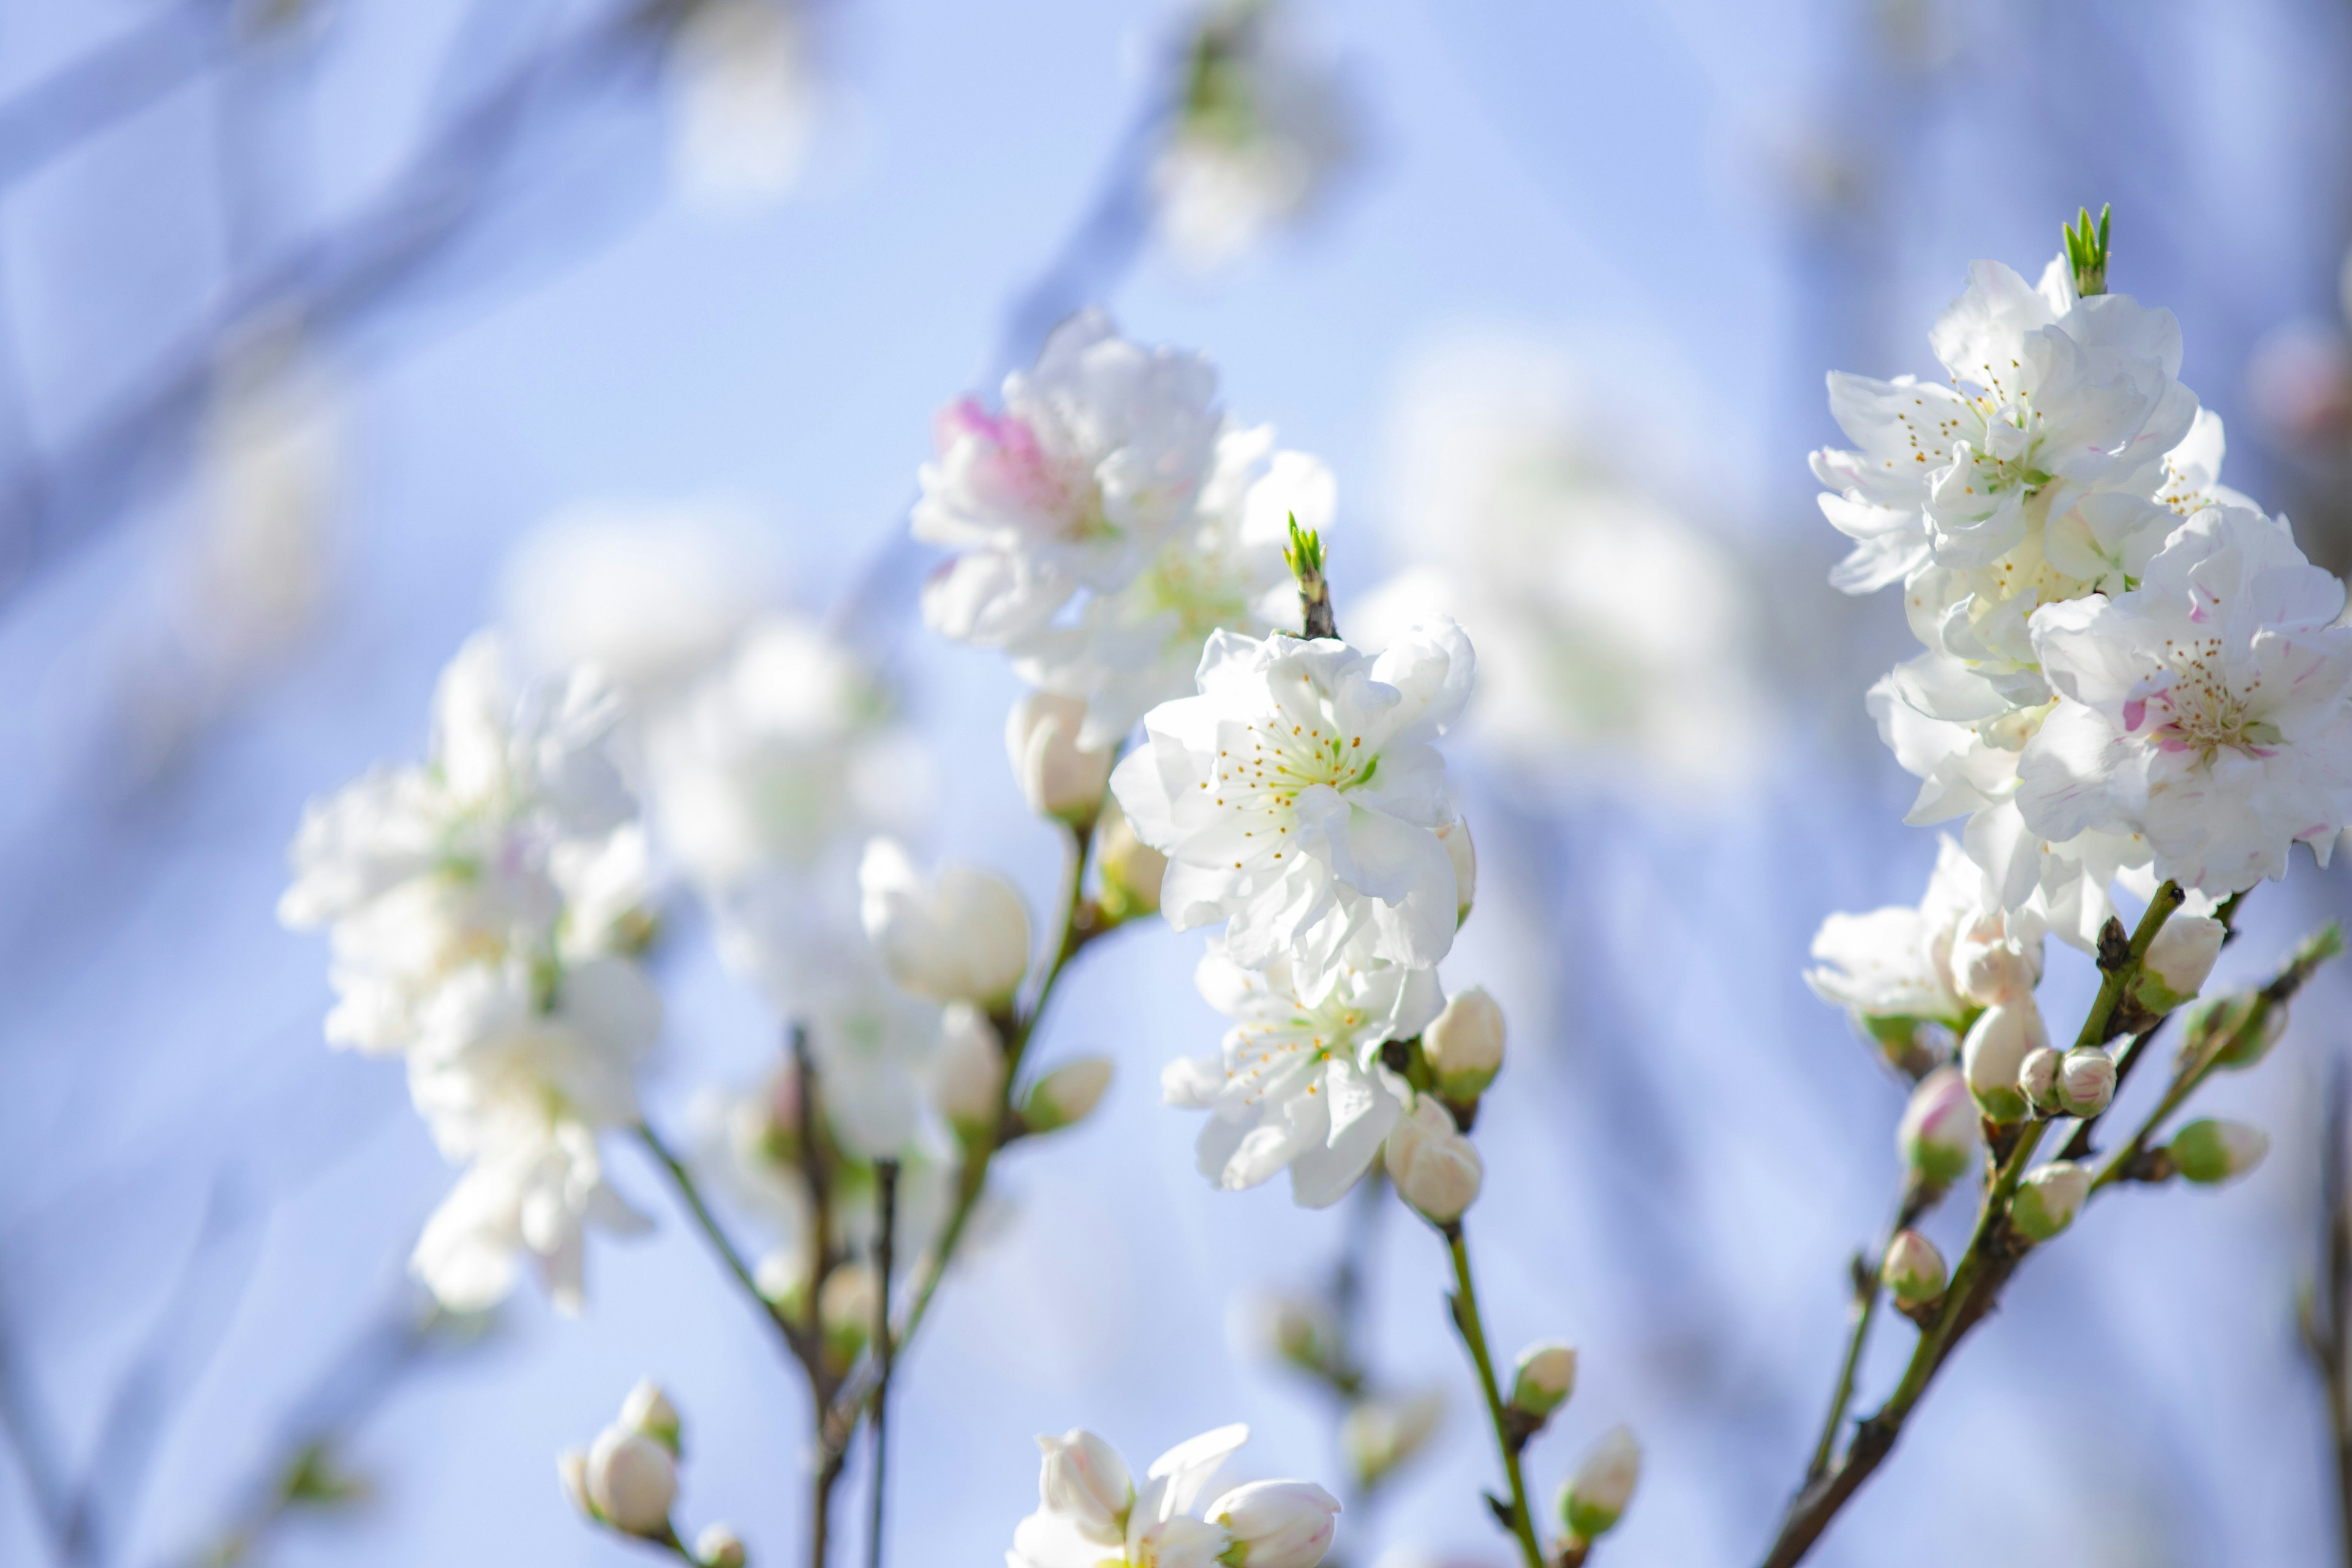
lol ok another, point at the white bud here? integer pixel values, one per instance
(1131, 870)
(2086, 1081)
(963, 936)
(720, 1547)
(2037, 1078)
(1085, 1481)
(1276, 1524)
(1065, 1095)
(2208, 1150)
(632, 1481)
(1455, 836)
(1989, 969)
(1435, 1169)
(1057, 777)
(571, 1469)
(968, 1071)
(1913, 1270)
(1382, 1433)
(845, 1310)
(2178, 961)
(1994, 1052)
(782, 1280)
(649, 1410)
(1595, 1499)
(1938, 1136)
(2047, 1200)
(1546, 1377)
(1464, 1046)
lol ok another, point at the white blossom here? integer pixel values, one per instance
(1299, 1082)
(1058, 777)
(632, 1481)
(1299, 794)
(745, 100)
(960, 935)
(1435, 1169)
(2204, 709)
(1091, 1514)
(1953, 954)
(525, 1200)
(1098, 456)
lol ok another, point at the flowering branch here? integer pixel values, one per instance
(1866, 1271)
(1508, 1437)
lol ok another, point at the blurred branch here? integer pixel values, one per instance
(2328, 1299)
(156, 56)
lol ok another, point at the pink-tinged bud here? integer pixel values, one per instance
(1546, 1377)
(1435, 1168)
(632, 1481)
(720, 1547)
(1086, 1482)
(1994, 1052)
(1464, 1046)
(2037, 1080)
(1455, 836)
(1939, 1135)
(2178, 961)
(1066, 1095)
(1276, 1524)
(649, 1410)
(2048, 1200)
(2209, 1151)
(1595, 1499)
(2086, 1081)
(1057, 778)
(1914, 1271)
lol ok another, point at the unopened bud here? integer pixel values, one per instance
(1994, 1053)
(649, 1410)
(1464, 1046)
(2086, 1081)
(1595, 1499)
(845, 1310)
(720, 1547)
(968, 1072)
(961, 935)
(1989, 969)
(1455, 836)
(1546, 1376)
(2047, 1200)
(1131, 870)
(632, 1481)
(1066, 1094)
(1938, 1137)
(2252, 1042)
(1284, 1326)
(1057, 778)
(2211, 1150)
(1382, 1433)
(2037, 1078)
(1086, 1482)
(571, 1469)
(2178, 961)
(782, 1280)
(1435, 1169)
(1914, 1271)
(1275, 1524)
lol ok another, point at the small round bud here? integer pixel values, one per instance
(2178, 961)
(1435, 1169)
(1938, 1137)
(1595, 1499)
(1455, 836)
(1275, 1524)
(649, 1410)
(1057, 777)
(1464, 1046)
(1066, 1095)
(1285, 1327)
(2210, 1151)
(1546, 1376)
(968, 1072)
(1913, 1271)
(720, 1547)
(2086, 1081)
(2037, 1080)
(845, 1310)
(571, 1469)
(1131, 870)
(1993, 1053)
(2047, 1200)
(1379, 1434)
(632, 1481)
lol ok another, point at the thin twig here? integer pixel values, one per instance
(1866, 1311)
(790, 1332)
(2324, 1302)
(885, 1199)
(1464, 1301)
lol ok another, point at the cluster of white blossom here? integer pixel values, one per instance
(483, 907)
(2132, 675)
(1091, 1514)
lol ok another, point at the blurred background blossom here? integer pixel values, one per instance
(329, 332)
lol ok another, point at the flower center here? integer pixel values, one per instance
(2199, 713)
